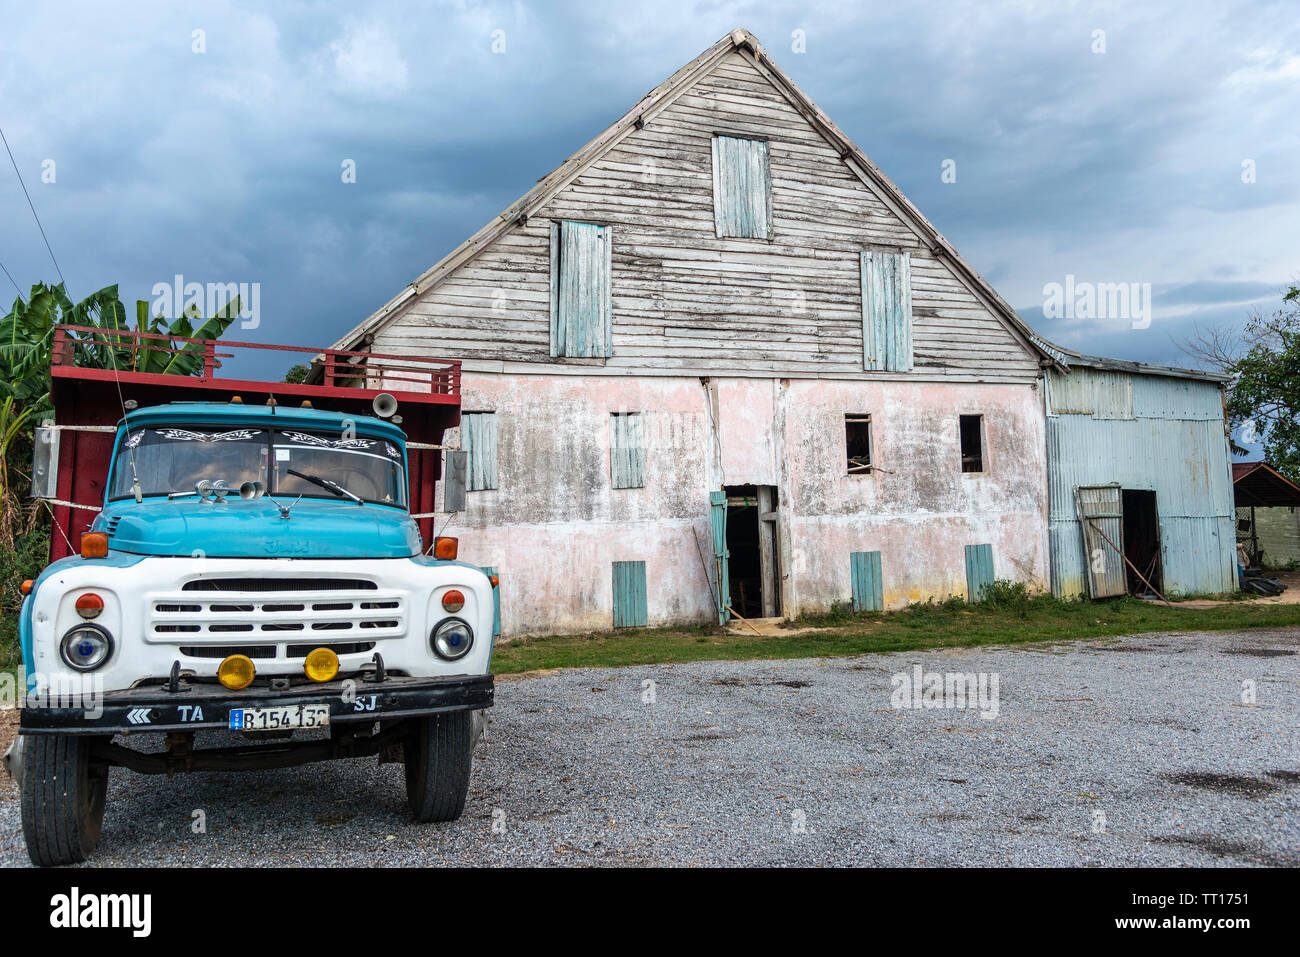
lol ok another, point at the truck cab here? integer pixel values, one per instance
(254, 571)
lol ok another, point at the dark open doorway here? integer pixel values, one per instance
(1142, 540)
(751, 540)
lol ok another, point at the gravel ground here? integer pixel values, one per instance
(1136, 751)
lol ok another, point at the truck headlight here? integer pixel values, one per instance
(452, 639)
(86, 647)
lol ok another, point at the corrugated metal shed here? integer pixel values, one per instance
(1156, 432)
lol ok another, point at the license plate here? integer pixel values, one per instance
(279, 719)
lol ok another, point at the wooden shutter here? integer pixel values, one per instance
(629, 595)
(886, 311)
(868, 589)
(742, 188)
(581, 308)
(721, 554)
(478, 438)
(626, 450)
(979, 572)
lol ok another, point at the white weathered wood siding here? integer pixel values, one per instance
(683, 300)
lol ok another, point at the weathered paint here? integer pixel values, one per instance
(868, 585)
(886, 311)
(555, 525)
(1157, 433)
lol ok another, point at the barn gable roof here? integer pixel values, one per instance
(654, 102)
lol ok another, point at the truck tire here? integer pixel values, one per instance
(438, 758)
(62, 799)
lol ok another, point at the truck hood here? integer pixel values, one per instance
(236, 528)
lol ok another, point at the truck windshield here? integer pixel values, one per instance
(171, 460)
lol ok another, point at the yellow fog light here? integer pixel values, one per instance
(321, 665)
(235, 673)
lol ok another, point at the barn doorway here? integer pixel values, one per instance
(1142, 540)
(752, 542)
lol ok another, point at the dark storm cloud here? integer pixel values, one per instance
(225, 165)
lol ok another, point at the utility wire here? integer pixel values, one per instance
(33, 208)
(11, 279)
(112, 355)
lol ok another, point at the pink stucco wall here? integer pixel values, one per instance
(555, 524)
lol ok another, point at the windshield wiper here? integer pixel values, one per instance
(327, 484)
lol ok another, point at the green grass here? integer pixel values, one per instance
(1012, 617)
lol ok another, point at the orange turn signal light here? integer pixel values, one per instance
(446, 548)
(94, 545)
(453, 600)
(89, 605)
(494, 580)
(26, 587)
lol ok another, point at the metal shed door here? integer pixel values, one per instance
(1101, 514)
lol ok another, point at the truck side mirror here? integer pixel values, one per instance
(45, 463)
(453, 482)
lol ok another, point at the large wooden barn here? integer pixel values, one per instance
(716, 358)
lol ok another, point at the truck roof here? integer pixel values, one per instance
(286, 415)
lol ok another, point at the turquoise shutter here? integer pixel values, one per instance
(629, 595)
(581, 305)
(742, 188)
(478, 438)
(868, 588)
(979, 572)
(721, 555)
(886, 311)
(626, 450)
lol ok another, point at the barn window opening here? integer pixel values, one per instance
(742, 188)
(857, 443)
(972, 443)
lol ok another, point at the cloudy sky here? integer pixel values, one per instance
(1164, 149)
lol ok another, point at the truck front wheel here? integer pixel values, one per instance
(62, 799)
(438, 758)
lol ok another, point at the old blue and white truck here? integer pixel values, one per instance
(259, 586)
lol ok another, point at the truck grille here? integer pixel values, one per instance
(290, 616)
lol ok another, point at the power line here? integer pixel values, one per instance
(11, 279)
(33, 209)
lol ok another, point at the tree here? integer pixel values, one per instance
(297, 373)
(1263, 363)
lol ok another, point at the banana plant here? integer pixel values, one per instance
(27, 339)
